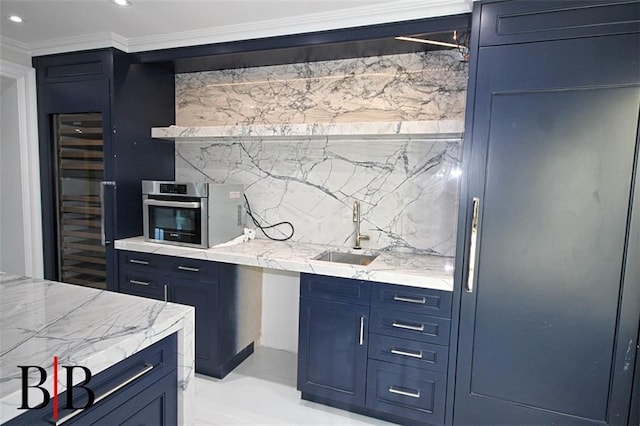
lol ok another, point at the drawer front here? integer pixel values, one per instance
(194, 269)
(141, 261)
(406, 392)
(410, 326)
(411, 353)
(412, 299)
(143, 284)
(335, 289)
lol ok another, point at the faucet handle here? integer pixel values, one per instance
(356, 211)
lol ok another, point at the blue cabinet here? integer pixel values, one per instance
(550, 291)
(210, 287)
(374, 348)
(141, 390)
(95, 109)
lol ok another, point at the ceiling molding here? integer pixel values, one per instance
(15, 46)
(83, 42)
(397, 11)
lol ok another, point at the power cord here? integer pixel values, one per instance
(262, 228)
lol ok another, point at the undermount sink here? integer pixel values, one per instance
(350, 258)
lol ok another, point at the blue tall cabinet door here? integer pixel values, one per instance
(333, 350)
(550, 291)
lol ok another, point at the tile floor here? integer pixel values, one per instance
(262, 391)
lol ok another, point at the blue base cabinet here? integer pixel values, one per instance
(141, 390)
(210, 287)
(373, 348)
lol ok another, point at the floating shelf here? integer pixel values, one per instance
(364, 130)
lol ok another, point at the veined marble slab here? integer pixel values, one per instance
(409, 269)
(367, 130)
(41, 319)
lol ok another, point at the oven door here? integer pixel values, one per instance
(178, 222)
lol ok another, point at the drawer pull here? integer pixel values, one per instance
(136, 282)
(420, 301)
(138, 262)
(147, 368)
(412, 354)
(415, 394)
(187, 268)
(408, 326)
(361, 330)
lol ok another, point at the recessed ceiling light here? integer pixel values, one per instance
(121, 2)
(15, 18)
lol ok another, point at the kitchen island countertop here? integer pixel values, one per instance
(416, 270)
(40, 319)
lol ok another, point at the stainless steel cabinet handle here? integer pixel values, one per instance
(403, 352)
(420, 301)
(103, 236)
(139, 282)
(166, 293)
(179, 204)
(408, 326)
(361, 330)
(139, 262)
(187, 268)
(415, 394)
(472, 245)
(147, 368)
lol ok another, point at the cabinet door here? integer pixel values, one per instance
(551, 310)
(203, 297)
(332, 352)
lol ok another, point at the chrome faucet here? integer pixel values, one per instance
(357, 220)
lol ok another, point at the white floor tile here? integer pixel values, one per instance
(262, 391)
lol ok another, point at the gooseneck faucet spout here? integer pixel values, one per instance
(357, 220)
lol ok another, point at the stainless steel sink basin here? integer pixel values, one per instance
(350, 258)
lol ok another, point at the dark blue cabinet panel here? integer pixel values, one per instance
(210, 287)
(406, 392)
(335, 289)
(332, 354)
(555, 299)
(410, 326)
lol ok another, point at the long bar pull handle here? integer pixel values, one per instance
(361, 330)
(178, 204)
(138, 262)
(472, 245)
(420, 301)
(403, 352)
(415, 394)
(145, 283)
(408, 326)
(103, 232)
(166, 293)
(147, 368)
(187, 268)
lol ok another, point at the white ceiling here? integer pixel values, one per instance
(53, 26)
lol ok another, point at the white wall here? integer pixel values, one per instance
(280, 293)
(12, 257)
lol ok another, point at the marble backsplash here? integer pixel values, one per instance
(408, 186)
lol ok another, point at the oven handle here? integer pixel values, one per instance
(178, 204)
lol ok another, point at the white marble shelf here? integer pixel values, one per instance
(83, 326)
(414, 270)
(367, 130)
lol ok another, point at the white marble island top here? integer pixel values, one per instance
(40, 319)
(414, 270)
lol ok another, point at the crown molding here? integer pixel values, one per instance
(76, 43)
(15, 46)
(396, 11)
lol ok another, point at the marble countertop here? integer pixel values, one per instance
(414, 270)
(41, 319)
